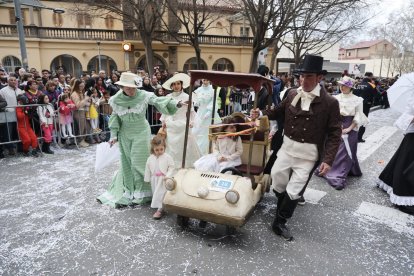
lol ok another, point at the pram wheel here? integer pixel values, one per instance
(182, 221)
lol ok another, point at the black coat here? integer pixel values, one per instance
(366, 91)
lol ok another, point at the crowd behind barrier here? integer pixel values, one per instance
(66, 134)
(81, 111)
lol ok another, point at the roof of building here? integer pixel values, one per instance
(365, 44)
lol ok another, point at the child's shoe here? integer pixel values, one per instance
(158, 214)
(35, 153)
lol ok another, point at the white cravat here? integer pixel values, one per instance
(306, 97)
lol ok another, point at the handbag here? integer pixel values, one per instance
(106, 155)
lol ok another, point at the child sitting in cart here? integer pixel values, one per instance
(227, 150)
(159, 165)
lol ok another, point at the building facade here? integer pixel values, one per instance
(377, 56)
(77, 40)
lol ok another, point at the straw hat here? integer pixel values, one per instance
(177, 77)
(128, 79)
(347, 81)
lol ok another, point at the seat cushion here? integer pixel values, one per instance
(254, 170)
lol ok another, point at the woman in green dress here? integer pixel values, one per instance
(131, 130)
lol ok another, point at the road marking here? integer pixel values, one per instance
(313, 196)
(374, 141)
(391, 217)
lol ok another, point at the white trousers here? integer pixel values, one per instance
(290, 174)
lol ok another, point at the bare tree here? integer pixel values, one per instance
(193, 16)
(277, 45)
(142, 16)
(270, 18)
(322, 24)
(400, 32)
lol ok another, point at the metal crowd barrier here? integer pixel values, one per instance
(9, 127)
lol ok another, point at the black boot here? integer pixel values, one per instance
(46, 148)
(285, 209)
(279, 227)
(279, 197)
(35, 152)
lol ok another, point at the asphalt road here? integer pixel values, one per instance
(51, 224)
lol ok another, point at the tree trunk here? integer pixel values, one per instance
(297, 57)
(253, 60)
(198, 55)
(276, 49)
(149, 53)
(273, 60)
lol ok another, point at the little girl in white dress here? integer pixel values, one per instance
(159, 165)
(227, 151)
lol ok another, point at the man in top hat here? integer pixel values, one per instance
(312, 134)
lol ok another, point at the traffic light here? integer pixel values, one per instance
(127, 46)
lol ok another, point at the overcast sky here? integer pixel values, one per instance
(384, 8)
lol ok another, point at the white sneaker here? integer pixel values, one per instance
(83, 144)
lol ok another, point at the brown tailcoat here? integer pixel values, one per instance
(321, 125)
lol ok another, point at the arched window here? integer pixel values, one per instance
(157, 61)
(191, 64)
(10, 63)
(70, 64)
(107, 64)
(223, 64)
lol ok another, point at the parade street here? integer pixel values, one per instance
(51, 224)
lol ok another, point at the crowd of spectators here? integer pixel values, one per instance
(81, 109)
(75, 108)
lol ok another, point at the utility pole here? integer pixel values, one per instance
(20, 31)
(99, 56)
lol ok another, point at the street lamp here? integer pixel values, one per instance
(99, 55)
(383, 48)
(20, 30)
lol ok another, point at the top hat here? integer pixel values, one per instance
(127, 79)
(177, 77)
(312, 64)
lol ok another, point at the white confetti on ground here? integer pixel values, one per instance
(374, 141)
(313, 196)
(391, 217)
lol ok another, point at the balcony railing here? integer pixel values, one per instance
(114, 35)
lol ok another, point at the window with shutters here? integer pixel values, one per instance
(84, 20)
(12, 16)
(244, 31)
(109, 22)
(57, 20)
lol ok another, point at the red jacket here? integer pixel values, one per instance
(23, 121)
(64, 109)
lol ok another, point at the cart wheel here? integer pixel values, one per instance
(182, 221)
(268, 184)
(233, 171)
(230, 230)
